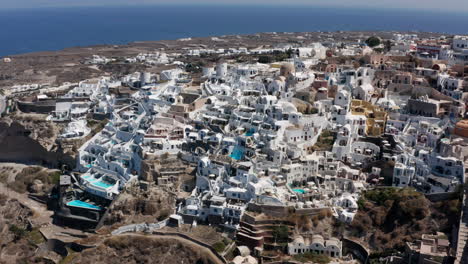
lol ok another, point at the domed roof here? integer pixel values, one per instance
(461, 128)
(333, 242)
(462, 124)
(286, 69)
(299, 240)
(317, 239)
(287, 107)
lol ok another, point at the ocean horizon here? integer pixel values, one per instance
(49, 29)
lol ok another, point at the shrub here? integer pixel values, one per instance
(35, 237)
(373, 41)
(3, 199)
(54, 177)
(264, 59)
(17, 231)
(3, 177)
(313, 110)
(280, 234)
(219, 246)
(313, 257)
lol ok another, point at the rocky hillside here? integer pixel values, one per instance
(33, 179)
(137, 205)
(387, 218)
(19, 241)
(30, 139)
(131, 249)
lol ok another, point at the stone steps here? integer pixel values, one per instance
(462, 246)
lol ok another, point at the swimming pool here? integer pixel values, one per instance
(78, 203)
(96, 182)
(88, 177)
(301, 191)
(237, 153)
(101, 184)
(250, 132)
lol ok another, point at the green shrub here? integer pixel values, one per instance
(280, 234)
(219, 246)
(35, 237)
(54, 177)
(373, 41)
(17, 231)
(264, 59)
(313, 257)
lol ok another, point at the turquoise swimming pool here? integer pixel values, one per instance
(101, 184)
(237, 153)
(301, 191)
(250, 132)
(78, 203)
(96, 182)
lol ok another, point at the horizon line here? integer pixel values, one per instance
(272, 5)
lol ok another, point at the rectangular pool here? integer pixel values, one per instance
(81, 204)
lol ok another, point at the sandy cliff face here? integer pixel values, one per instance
(29, 142)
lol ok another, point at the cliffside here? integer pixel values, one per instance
(387, 218)
(138, 205)
(143, 249)
(19, 241)
(30, 140)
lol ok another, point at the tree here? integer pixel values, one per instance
(280, 234)
(379, 50)
(388, 45)
(264, 59)
(373, 41)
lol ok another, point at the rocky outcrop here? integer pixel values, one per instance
(14, 245)
(30, 145)
(144, 249)
(389, 217)
(136, 205)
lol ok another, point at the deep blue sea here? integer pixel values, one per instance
(28, 30)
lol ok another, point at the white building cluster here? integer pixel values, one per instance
(277, 135)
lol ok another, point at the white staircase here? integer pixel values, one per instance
(462, 246)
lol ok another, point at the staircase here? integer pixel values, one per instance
(69, 197)
(462, 245)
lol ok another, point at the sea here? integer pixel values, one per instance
(48, 29)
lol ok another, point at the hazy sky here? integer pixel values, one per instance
(445, 5)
